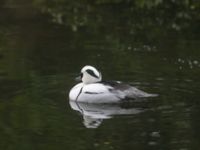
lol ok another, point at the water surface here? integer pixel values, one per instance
(39, 60)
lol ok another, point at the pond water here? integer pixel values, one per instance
(40, 59)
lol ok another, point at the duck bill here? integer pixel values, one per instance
(78, 79)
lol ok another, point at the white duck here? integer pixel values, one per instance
(93, 90)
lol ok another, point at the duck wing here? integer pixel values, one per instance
(125, 90)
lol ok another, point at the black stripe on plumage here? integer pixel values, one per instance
(91, 73)
(117, 85)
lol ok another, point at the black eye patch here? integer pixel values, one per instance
(91, 73)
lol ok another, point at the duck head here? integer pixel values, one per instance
(89, 75)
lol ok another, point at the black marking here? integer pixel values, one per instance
(111, 83)
(116, 85)
(91, 73)
(79, 93)
(93, 92)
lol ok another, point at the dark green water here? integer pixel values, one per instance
(40, 59)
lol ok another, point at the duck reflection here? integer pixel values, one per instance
(94, 114)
